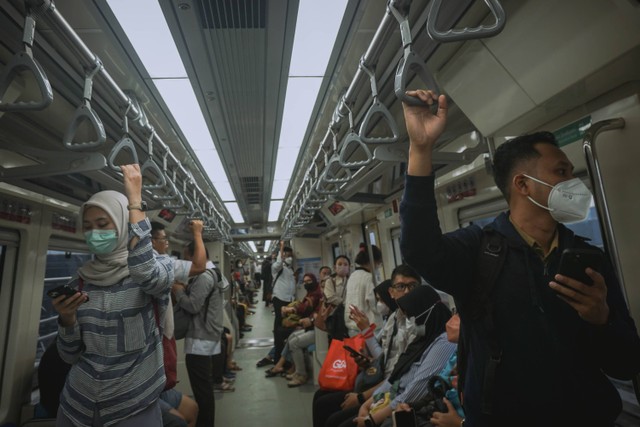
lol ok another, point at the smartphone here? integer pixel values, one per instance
(404, 419)
(62, 290)
(574, 262)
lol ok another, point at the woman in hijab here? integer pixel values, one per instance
(109, 330)
(425, 356)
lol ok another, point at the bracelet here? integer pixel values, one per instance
(360, 397)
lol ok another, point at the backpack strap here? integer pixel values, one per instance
(208, 298)
(479, 308)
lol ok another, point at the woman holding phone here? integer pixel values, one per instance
(109, 332)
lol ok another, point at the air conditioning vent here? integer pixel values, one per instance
(232, 14)
(252, 188)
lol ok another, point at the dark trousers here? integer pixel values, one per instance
(277, 323)
(200, 370)
(325, 404)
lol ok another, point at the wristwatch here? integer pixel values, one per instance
(142, 206)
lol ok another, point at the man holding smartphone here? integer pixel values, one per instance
(539, 353)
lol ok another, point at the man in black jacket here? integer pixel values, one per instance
(557, 337)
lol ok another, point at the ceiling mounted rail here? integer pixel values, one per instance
(46, 9)
(330, 180)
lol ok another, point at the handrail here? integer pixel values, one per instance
(376, 108)
(83, 113)
(599, 194)
(24, 61)
(410, 62)
(47, 9)
(466, 33)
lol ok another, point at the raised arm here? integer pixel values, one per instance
(199, 256)
(424, 129)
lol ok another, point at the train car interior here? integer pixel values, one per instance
(282, 120)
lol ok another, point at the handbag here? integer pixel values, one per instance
(339, 370)
(169, 354)
(371, 376)
(181, 322)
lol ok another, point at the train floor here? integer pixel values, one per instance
(258, 400)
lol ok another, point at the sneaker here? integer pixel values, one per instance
(223, 388)
(228, 380)
(297, 380)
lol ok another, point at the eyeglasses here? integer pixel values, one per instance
(306, 282)
(403, 286)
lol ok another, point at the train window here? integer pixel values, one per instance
(61, 267)
(395, 245)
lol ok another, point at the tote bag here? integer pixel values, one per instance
(339, 370)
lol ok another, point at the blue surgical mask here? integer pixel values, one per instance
(101, 241)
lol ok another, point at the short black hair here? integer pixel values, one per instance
(406, 271)
(513, 152)
(155, 227)
(323, 267)
(287, 249)
(363, 256)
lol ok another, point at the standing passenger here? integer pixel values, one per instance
(553, 338)
(108, 331)
(284, 287)
(202, 297)
(267, 279)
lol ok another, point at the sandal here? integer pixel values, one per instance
(264, 362)
(271, 372)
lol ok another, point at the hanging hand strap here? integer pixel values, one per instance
(24, 62)
(377, 109)
(454, 35)
(86, 113)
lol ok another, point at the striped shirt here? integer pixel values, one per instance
(115, 346)
(413, 384)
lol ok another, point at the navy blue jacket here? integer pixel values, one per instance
(552, 365)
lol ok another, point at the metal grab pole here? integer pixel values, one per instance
(599, 193)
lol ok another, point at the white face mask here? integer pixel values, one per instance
(382, 308)
(288, 261)
(420, 329)
(569, 201)
(342, 270)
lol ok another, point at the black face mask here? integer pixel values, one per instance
(310, 286)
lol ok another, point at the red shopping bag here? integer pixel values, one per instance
(339, 370)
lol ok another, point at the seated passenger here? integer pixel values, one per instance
(360, 288)
(429, 409)
(394, 337)
(303, 311)
(52, 374)
(424, 357)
